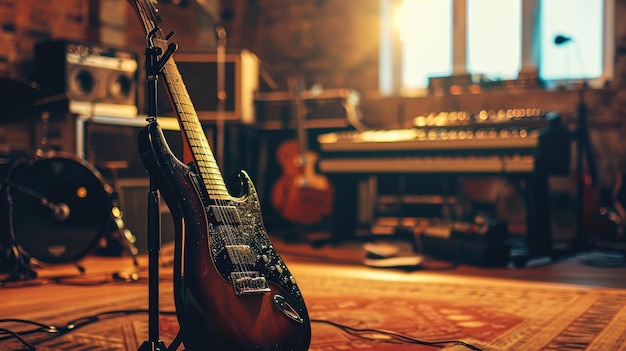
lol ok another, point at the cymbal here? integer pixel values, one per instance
(17, 98)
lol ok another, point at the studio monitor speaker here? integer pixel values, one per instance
(96, 79)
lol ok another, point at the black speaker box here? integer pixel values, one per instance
(134, 205)
(97, 80)
(107, 143)
(476, 253)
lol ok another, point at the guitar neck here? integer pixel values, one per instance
(193, 133)
(190, 126)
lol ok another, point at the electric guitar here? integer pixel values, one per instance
(232, 290)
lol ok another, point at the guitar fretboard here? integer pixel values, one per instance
(188, 119)
(192, 130)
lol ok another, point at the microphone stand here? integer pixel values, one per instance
(221, 92)
(154, 65)
(584, 153)
(17, 262)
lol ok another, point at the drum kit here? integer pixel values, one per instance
(55, 207)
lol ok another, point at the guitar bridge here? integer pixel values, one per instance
(247, 283)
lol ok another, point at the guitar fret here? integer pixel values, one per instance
(203, 155)
(201, 148)
(211, 176)
(205, 162)
(209, 170)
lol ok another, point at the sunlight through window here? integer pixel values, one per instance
(497, 39)
(494, 38)
(426, 33)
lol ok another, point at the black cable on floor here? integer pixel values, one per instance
(393, 336)
(57, 331)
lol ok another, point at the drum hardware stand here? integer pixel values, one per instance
(60, 211)
(22, 269)
(125, 236)
(44, 134)
(154, 65)
(18, 260)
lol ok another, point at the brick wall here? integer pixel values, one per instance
(26, 22)
(332, 43)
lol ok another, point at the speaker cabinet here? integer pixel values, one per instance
(199, 71)
(107, 142)
(507, 201)
(134, 204)
(97, 80)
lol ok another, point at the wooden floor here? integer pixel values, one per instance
(56, 303)
(594, 267)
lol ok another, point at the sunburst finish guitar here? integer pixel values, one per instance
(231, 288)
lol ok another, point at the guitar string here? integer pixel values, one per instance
(207, 167)
(150, 23)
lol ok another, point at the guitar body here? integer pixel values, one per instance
(300, 195)
(212, 313)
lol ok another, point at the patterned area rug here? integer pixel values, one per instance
(487, 313)
(490, 314)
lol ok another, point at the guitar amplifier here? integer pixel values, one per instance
(199, 71)
(97, 80)
(325, 108)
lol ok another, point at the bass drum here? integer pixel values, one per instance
(61, 206)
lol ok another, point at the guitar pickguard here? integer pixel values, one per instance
(241, 249)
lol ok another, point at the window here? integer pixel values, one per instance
(496, 39)
(430, 54)
(493, 38)
(571, 39)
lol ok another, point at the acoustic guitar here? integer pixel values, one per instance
(232, 290)
(300, 195)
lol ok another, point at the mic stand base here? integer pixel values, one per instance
(20, 265)
(153, 346)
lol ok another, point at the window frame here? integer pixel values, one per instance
(390, 66)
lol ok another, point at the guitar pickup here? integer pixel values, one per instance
(224, 214)
(248, 283)
(241, 254)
